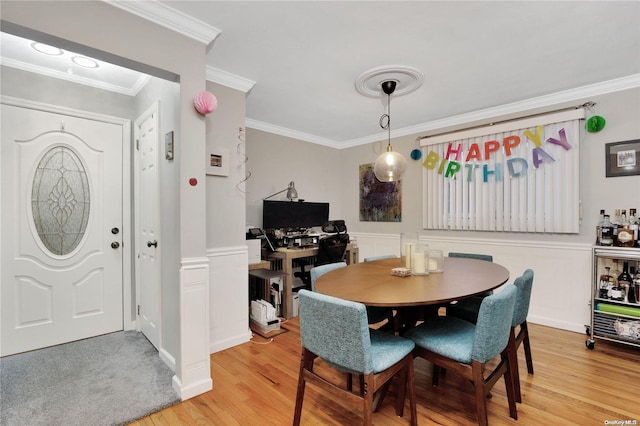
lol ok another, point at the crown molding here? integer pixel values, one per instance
(228, 79)
(290, 133)
(168, 17)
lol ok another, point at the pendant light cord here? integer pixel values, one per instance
(387, 125)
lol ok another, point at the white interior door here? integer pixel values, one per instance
(147, 138)
(61, 227)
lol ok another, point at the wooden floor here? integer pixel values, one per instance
(255, 384)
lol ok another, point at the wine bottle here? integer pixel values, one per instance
(624, 282)
(636, 285)
(632, 296)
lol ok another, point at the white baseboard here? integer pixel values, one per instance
(194, 390)
(168, 359)
(230, 342)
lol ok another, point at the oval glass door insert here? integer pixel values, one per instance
(60, 200)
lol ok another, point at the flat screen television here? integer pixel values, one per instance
(293, 214)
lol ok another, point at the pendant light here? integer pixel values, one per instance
(390, 165)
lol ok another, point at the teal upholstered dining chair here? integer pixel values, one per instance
(468, 308)
(317, 271)
(520, 313)
(378, 314)
(337, 331)
(524, 284)
(465, 348)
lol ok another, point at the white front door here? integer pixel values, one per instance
(146, 134)
(61, 226)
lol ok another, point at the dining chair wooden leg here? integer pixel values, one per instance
(512, 351)
(527, 346)
(480, 393)
(508, 384)
(306, 363)
(367, 402)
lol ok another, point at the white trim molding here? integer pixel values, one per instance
(193, 370)
(228, 79)
(168, 17)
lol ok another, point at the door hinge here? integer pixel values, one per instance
(137, 144)
(138, 309)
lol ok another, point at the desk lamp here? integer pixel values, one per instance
(291, 192)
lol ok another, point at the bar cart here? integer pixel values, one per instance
(613, 318)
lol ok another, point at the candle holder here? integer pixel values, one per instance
(408, 243)
(435, 261)
(420, 260)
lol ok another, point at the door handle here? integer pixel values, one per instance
(153, 243)
(115, 245)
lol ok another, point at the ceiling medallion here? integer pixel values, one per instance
(407, 79)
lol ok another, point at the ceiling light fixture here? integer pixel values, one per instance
(84, 62)
(390, 165)
(46, 49)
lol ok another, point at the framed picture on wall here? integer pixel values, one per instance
(217, 162)
(623, 158)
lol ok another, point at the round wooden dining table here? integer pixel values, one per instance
(372, 284)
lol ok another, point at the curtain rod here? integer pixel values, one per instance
(589, 104)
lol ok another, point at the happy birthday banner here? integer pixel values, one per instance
(491, 156)
(521, 175)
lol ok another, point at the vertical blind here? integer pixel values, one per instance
(520, 176)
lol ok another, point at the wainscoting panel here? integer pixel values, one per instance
(562, 279)
(228, 296)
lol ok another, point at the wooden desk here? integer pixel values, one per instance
(371, 283)
(287, 256)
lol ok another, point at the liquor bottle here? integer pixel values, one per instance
(606, 282)
(624, 282)
(634, 224)
(631, 294)
(615, 223)
(606, 232)
(625, 235)
(636, 285)
(600, 221)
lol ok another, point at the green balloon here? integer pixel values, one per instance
(595, 124)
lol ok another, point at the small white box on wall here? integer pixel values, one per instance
(254, 250)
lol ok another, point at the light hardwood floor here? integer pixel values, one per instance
(255, 384)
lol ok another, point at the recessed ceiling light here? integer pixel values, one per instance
(46, 49)
(84, 62)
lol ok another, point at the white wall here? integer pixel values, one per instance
(226, 246)
(275, 160)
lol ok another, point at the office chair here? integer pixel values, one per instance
(331, 248)
(336, 331)
(466, 349)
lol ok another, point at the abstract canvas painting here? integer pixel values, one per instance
(379, 201)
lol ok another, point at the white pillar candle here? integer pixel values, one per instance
(419, 264)
(409, 249)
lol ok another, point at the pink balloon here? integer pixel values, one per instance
(205, 102)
